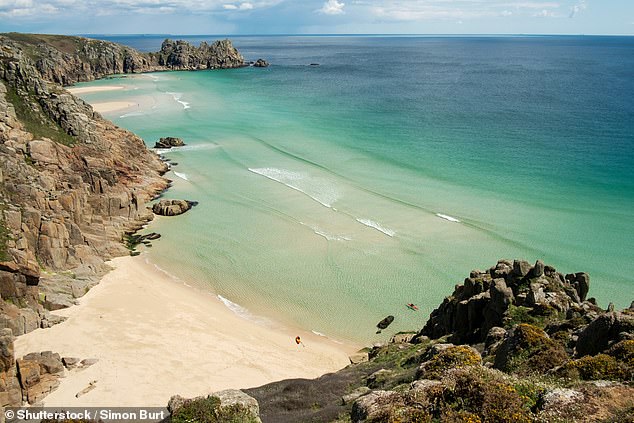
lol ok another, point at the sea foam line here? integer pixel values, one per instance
(240, 311)
(377, 226)
(294, 179)
(329, 237)
(446, 217)
(177, 98)
(196, 147)
(182, 175)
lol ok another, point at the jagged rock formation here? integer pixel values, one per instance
(66, 60)
(180, 55)
(169, 142)
(482, 302)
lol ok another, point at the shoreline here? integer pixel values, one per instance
(155, 337)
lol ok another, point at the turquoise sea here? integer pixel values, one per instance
(332, 195)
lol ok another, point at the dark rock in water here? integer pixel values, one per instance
(314, 64)
(385, 323)
(261, 63)
(172, 207)
(169, 142)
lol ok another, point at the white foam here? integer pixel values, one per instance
(446, 217)
(207, 146)
(377, 226)
(177, 98)
(318, 189)
(318, 333)
(182, 175)
(131, 114)
(240, 311)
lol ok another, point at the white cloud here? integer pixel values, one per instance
(332, 7)
(403, 10)
(577, 8)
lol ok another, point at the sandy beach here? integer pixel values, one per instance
(89, 90)
(112, 106)
(156, 337)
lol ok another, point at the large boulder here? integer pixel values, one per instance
(261, 63)
(604, 331)
(169, 142)
(172, 207)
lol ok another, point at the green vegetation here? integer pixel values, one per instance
(532, 316)
(35, 121)
(598, 367)
(472, 394)
(451, 358)
(531, 351)
(4, 237)
(208, 410)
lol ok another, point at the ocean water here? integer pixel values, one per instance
(332, 195)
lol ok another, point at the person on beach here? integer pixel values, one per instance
(298, 341)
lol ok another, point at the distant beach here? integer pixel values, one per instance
(155, 337)
(89, 90)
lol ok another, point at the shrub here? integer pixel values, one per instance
(208, 410)
(598, 367)
(451, 358)
(529, 350)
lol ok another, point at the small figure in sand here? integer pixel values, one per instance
(298, 341)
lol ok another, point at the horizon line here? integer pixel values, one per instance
(87, 34)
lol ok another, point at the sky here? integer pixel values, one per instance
(233, 17)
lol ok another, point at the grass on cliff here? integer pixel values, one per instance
(4, 237)
(64, 43)
(35, 121)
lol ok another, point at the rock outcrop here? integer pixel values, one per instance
(180, 55)
(172, 207)
(69, 192)
(66, 60)
(169, 142)
(71, 186)
(261, 63)
(485, 298)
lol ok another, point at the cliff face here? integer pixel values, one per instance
(68, 193)
(67, 60)
(68, 190)
(72, 184)
(182, 55)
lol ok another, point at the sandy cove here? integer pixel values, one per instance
(106, 106)
(156, 337)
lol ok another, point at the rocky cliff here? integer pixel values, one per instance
(69, 190)
(67, 60)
